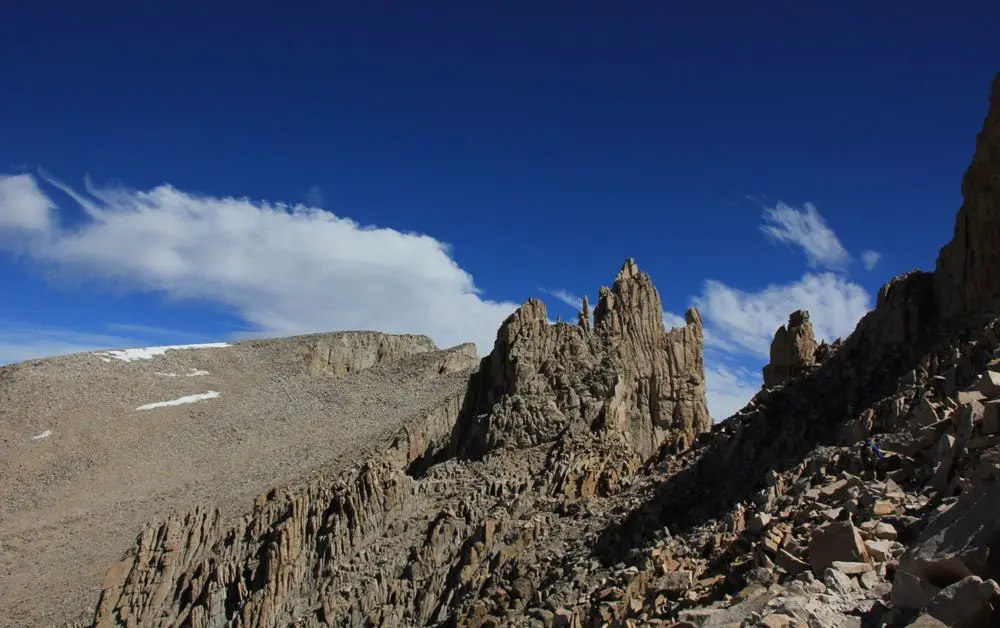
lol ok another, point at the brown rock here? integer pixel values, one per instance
(792, 350)
(966, 603)
(629, 377)
(965, 278)
(959, 542)
(832, 542)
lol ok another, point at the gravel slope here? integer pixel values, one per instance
(72, 502)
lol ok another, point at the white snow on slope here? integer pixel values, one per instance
(44, 434)
(190, 373)
(176, 402)
(146, 353)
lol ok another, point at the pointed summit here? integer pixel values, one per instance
(583, 318)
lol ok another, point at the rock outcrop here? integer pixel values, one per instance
(966, 278)
(628, 377)
(793, 350)
(339, 354)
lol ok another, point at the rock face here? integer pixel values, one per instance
(966, 279)
(793, 350)
(339, 354)
(628, 377)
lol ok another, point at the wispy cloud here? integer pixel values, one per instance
(671, 320)
(285, 269)
(314, 197)
(568, 298)
(745, 321)
(870, 259)
(740, 323)
(730, 387)
(25, 208)
(21, 341)
(151, 330)
(806, 229)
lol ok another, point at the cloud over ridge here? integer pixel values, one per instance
(285, 269)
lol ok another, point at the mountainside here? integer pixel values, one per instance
(94, 445)
(575, 479)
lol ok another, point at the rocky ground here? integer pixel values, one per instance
(84, 468)
(579, 481)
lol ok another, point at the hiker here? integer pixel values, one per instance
(871, 458)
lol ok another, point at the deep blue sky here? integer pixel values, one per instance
(546, 141)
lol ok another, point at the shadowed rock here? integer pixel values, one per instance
(792, 350)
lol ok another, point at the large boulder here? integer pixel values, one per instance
(962, 541)
(835, 542)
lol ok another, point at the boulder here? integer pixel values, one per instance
(838, 541)
(967, 603)
(989, 384)
(962, 541)
(991, 418)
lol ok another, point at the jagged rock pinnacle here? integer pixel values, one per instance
(629, 376)
(792, 350)
(583, 317)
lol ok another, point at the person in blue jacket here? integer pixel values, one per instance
(871, 458)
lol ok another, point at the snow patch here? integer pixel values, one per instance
(176, 402)
(146, 353)
(44, 434)
(191, 373)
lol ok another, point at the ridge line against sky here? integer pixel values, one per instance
(273, 264)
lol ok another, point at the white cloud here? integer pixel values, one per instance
(151, 330)
(284, 269)
(671, 320)
(740, 324)
(568, 298)
(746, 321)
(24, 341)
(806, 229)
(730, 387)
(870, 259)
(22, 204)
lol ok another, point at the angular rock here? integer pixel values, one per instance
(792, 350)
(852, 568)
(967, 603)
(959, 542)
(885, 531)
(991, 417)
(989, 384)
(880, 551)
(839, 541)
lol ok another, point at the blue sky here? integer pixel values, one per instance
(163, 170)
